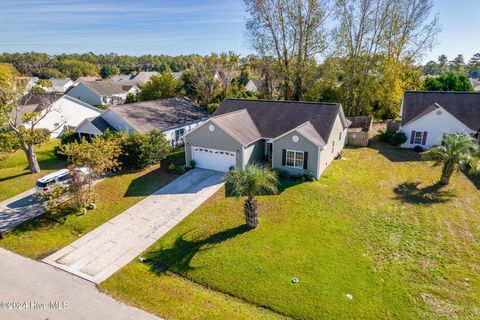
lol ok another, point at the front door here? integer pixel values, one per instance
(269, 151)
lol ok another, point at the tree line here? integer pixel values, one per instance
(361, 53)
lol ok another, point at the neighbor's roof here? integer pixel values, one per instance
(465, 106)
(144, 76)
(274, 118)
(96, 125)
(160, 114)
(107, 88)
(88, 79)
(475, 84)
(239, 125)
(56, 82)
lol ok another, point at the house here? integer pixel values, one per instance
(60, 85)
(428, 115)
(475, 84)
(173, 116)
(143, 77)
(64, 113)
(254, 85)
(297, 137)
(105, 92)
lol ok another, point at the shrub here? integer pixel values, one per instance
(192, 164)
(172, 167)
(398, 138)
(67, 138)
(418, 149)
(182, 169)
(141, 150)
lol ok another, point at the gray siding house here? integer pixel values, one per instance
(105, 92)
(298, 137)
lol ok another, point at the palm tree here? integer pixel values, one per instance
(457, 151)
(249, 182)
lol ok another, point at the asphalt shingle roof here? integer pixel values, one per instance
(465, 106)
(274, 118)
(106, 88)
(160, 114)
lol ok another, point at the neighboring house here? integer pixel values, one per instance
(88, 79)
(66, 112)
(174, 117)
(254, 85)
(475, 84)
(298, 137)
(121, 77)
(61, 85)
(143, 77)
(105, 92)
(428, 115)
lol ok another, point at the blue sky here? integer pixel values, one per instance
(175, 27)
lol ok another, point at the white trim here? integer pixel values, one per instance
(294, 158)
(318, 163)
(406, 125)
(295, 129)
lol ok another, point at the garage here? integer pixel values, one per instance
(218, 160)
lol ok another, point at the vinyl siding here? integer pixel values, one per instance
(435, 125)
(83, 93)
(304, 145)
(326, 155)
(254, 152)
(218, 139)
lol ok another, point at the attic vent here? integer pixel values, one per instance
(439, 112)
(295, 138)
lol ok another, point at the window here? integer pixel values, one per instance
(179, 133)
(340, 136)
(294, 159)
(333, 146)
(418, 137)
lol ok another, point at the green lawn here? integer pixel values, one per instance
(375, 226)
(42, 236)
(14, 174)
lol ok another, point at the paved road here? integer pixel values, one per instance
(48, 293)
(18, 209)
(103, 251)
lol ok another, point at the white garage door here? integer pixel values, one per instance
(218, 160)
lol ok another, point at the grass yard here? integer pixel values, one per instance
(41, 237)
(375, 226)
(14, 174)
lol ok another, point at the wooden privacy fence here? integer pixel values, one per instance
(358, 133)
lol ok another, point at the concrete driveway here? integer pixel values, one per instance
(18, 209)
(35, 290)
(100, 253)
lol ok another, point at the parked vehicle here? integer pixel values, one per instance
(61, 177)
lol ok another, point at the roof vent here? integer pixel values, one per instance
(439, 112)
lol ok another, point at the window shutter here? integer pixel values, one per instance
(284, 157)
(424, 140)
(412, 137)
(305, 160)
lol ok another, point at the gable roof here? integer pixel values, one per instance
(475, 84)
(465, 106)
(56, 82)
(96, 125)
(160, 114)
(106, 88)
(144, 76)
(239, 125)
(274, 118)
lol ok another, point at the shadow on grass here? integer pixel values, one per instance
(283, 185)
(394, 154)
(177, 157)
(475, 179)
(14, 176)
(178, 258)
(410, 192)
